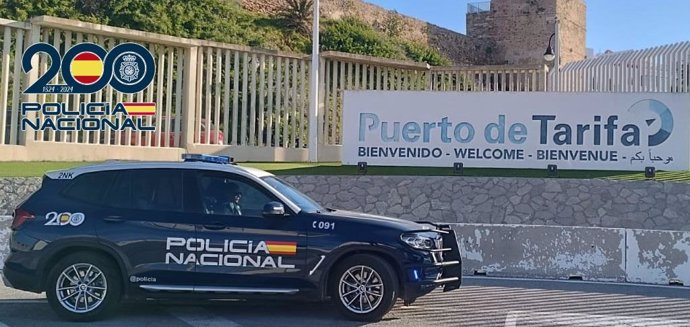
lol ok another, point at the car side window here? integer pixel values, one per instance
(89, 188)
(226, 195)
(148, 189)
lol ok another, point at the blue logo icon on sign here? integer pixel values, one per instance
(654, 111)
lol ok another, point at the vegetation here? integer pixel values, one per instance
(421, 53)
(297, 15)
(355, 36)
(227, 21)
(218, 20)
(393, 24)
(38, 168)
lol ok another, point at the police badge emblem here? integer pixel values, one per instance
(129, 68)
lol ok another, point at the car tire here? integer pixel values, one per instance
(98, 287)
(355, 291)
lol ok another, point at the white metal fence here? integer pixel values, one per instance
(216, 97)
(659, 69)
(251, 97)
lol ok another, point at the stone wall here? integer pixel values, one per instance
(520, 29)
(458, 47)
(479, 24)
(573, 30)
(14, 190)
(488, 200)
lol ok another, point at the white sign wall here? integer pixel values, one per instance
(603, 131)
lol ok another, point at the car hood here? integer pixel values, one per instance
(394, 223)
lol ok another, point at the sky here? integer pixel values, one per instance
(611, 24)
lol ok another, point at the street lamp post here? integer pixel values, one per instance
(554, 54)
(549, 55)
(314, 87)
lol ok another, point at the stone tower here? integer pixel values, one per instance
(518, 31)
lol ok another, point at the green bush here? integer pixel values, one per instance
(218, 20)
(422, 53)
(354, 36)
(297, 15)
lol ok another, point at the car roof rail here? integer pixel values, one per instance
(196, 157)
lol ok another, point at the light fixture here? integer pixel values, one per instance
(362, 167)
(458, 168)
(552, 171)
(549, 55)
(649, 172)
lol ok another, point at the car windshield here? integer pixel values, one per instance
(302, 201)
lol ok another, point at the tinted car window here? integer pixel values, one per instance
(89, 187)
(147, 189)
(304, 202)
(227, 195)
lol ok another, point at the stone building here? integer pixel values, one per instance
(519, 30)
(498, 32)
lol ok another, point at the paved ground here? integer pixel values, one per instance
(481, 302)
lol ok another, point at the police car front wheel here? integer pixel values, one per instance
(364, 287)
(83, 286)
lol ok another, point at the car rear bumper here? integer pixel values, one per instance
(20, 279)
(6, 281)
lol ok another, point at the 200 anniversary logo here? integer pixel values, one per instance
(87, 68)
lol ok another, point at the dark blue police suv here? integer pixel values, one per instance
(93, 236)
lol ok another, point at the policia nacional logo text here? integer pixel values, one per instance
(232, 253)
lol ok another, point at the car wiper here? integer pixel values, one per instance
(331, 210)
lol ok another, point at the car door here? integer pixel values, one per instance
(149, 224)
(242, 250)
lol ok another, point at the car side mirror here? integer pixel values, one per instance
(273, 210)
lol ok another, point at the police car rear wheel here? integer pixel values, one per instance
(83, 287)
(364, 287)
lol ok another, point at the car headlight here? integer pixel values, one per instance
(420, 240)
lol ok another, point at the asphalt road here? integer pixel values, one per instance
(480, 302)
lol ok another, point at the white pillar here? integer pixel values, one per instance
(33, 36)
(314, 88)
(189, 97)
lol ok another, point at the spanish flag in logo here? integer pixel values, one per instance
(281, 248)
(140, 108)
(86, 68)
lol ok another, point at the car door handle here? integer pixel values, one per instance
(214, 226)
(113, 219)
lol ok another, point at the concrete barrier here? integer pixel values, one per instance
(552, 252)
(596, 254)
(658, 257)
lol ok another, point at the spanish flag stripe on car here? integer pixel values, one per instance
(281, 248)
